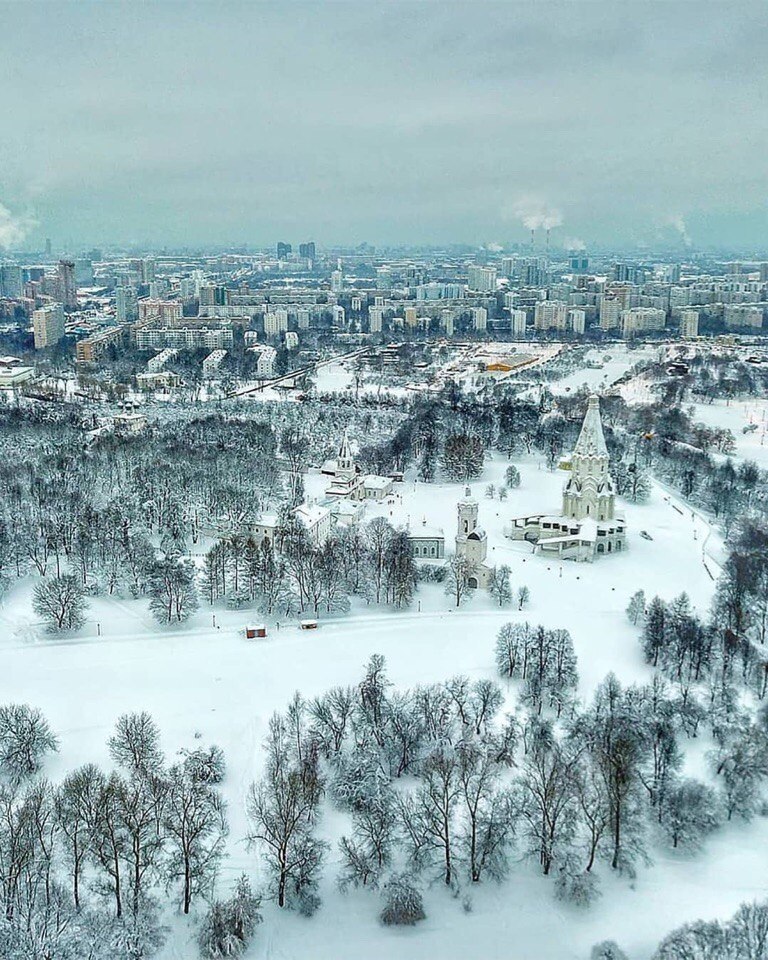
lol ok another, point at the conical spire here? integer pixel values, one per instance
(591, 442)
(345, 451)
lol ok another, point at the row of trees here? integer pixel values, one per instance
(101, 838)
(294, 573)
(571, 788)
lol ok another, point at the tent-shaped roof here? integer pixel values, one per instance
(591, 442)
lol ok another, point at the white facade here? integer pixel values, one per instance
(550, 315)
(518, 320)
(482, 279)
(610, 313)
(48, 325)
(265, 364)
(642, 319)
(184, 338)
(588, 525)
(577, 321)
(471, 540)
(155, 364)
(480, 319)
(375, 319)
(689, 323)
(213, 361)
(275, 322)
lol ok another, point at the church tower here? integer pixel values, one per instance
(471, 540)
(590, 492)
(345, 464)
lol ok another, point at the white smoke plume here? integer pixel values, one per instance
(535, 214)
(678, 223)
(574, 243)
(13, 229)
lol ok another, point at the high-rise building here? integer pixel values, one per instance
(126, 308)
(479, 319)
(213, 295)
(166, 310)
(610, 313)
(482, 279)
(375, 319)
(147, 271)
(65, 283)
(577, 321)
(763, 273)
(517, 321)
(307, 250)
(579, 263)
(10, 280)
(283, 250)
(689, 323)
(550, 315)
(642, 319)
(302, 318)
(48, 325)
(275, 322)
(337, 281)
(410, 317)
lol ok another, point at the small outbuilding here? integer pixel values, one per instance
(255, 631)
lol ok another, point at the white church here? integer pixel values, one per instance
(588, 525)
(472, 541)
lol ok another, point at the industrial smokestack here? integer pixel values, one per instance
(533, 238)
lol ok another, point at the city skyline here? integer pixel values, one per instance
(397, 123)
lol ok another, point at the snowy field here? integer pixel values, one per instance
(209, 681)
(598, 378)
(736, 415)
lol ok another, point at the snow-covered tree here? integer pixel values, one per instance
(194, 824)
(463, 456)
(636, 607)
(403, 904)
(460, 570)
(691, 810)
(61, 601)
(512, 477)
(282, 808)
(607, 950)
(499, 585)
(25, 739)
(135, 744)
(172, 590)
(229, 925)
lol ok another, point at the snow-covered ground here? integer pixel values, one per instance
(210, 681)
(736, 415)
(620, 359)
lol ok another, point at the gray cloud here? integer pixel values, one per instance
(427, 121)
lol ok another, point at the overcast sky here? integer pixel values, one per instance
(386, 122)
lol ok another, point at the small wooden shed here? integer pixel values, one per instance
(254, 631)
(309, 624)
